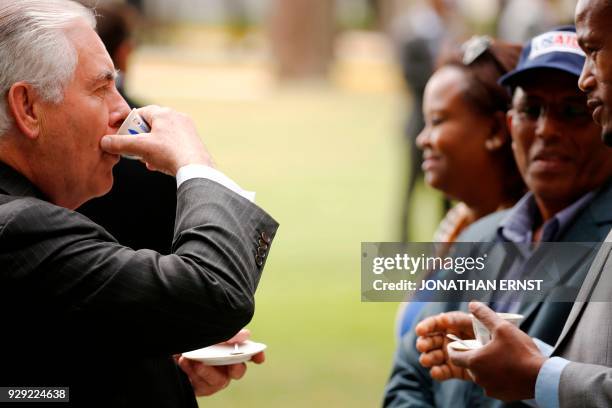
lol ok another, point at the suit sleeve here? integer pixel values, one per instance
(409, 385)
(61, 263)
(585, 385)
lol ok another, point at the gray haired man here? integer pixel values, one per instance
(80, 310)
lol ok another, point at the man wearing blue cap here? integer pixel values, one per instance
(558, 150)
(580, 372)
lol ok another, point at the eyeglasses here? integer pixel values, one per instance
(565, 111)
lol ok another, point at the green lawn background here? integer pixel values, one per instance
(327, 163)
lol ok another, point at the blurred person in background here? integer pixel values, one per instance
(421, 33)
(521, 20)
(116, 25)
(140, 208)
(559, 152)
(466, 142)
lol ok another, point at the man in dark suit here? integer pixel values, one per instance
(557, 149)
(138, 196)
(84, 311)
(579, 373)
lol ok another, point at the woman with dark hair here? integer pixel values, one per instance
(466, 142)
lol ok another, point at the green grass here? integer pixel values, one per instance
(327, 165)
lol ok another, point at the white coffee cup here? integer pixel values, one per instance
(482, 333)
(134, 124)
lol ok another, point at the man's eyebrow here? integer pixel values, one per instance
(105, 76)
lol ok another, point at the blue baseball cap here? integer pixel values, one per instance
(556, 49)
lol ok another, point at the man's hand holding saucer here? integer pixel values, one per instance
(207, 380)
(506, 367)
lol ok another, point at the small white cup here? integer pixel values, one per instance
(482, 333)
(134, 124)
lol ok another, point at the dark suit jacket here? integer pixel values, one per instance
(139, 209)
(83, 311)
(410, 385)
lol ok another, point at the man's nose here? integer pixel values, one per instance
(587, 81)
(548, 125)
(119, 111)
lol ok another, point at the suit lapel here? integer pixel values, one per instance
(528, 309)
(585, 291)
(496, 261)
(568, 263)
(600, 208)
(599, 216)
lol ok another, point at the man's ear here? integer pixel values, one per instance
(498, 136)
(22, 99)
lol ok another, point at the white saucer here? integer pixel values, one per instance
(472, 344)
(221, 354)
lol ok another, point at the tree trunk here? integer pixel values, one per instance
(302, 34)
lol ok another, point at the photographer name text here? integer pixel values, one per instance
(459, 285)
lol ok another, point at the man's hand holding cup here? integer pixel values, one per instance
(172, 143)
(506, 367)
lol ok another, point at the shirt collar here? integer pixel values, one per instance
(518, 225)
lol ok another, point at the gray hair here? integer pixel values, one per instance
(34, 48)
